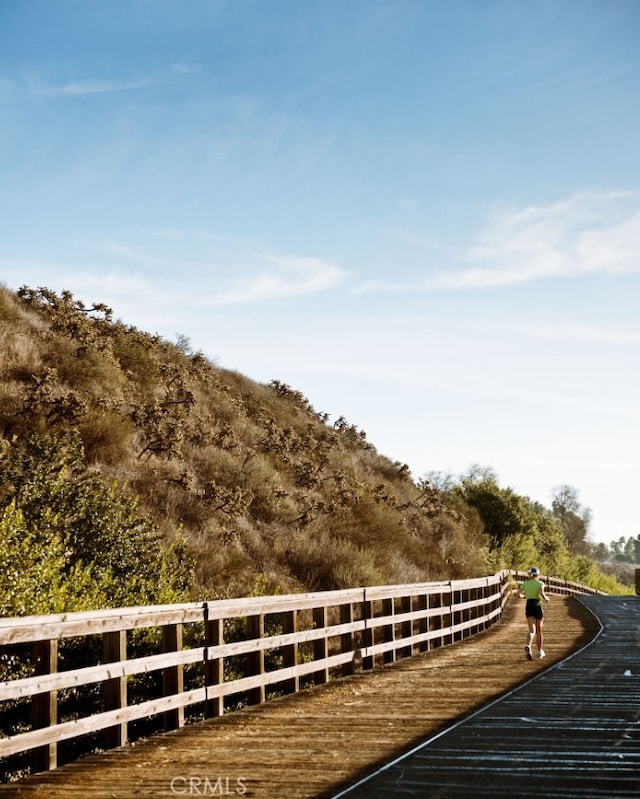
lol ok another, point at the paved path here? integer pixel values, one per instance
(310, 745)
(572, 731)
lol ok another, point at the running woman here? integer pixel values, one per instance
(533, 591)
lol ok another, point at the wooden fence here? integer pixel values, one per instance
(204, 656)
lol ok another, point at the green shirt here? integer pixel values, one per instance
(532, 589)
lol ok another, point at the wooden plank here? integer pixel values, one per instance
(470, 604)
(378, 592)
(285, 639)
(27, 629)
(98, 615)
(494, 614)
(16, 689)
(253, 606)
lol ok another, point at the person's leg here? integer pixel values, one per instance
(533, 627)
(540, 634)
(531, 622)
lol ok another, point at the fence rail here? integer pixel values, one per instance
(214, 651)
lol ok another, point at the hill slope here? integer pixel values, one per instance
(260, 485)
(139, 471)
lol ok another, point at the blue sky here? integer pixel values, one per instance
(423, 215)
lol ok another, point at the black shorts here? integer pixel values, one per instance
(533, 609)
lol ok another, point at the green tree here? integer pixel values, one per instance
(625, 550)
(573, 519)
(503, 512)
(522, 532)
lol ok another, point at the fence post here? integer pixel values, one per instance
(406, 606)
(451, 613)
(172, 677)
(491, 603)
(346, 639)
(435, 621)
(422, 603)
(44, 706)
(320, 646)
(114, 691)
(367, 633)
(290, 653)
(255, 631)
(389, 630)
(213, 669)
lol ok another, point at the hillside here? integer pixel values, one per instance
(133, 469)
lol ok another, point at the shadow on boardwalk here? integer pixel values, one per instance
(313, 744)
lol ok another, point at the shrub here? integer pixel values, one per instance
(93, 535)
(325, 563)
(37, 572)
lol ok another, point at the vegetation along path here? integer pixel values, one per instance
(315, 743)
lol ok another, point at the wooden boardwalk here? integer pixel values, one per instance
(573, 731)
(316, 743)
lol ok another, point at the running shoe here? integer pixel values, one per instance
(527, 651)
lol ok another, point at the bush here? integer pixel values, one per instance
(72, 542)
(37, 572)
(324, 563)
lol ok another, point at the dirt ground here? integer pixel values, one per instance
(312, 744)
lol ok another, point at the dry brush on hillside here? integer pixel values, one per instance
(263, 491)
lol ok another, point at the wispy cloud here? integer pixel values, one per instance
(229, 274)
(93, 87)
(90, 87)
(585, 234)
(286, 276)
(267, 276)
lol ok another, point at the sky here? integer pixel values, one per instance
(422, 214)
